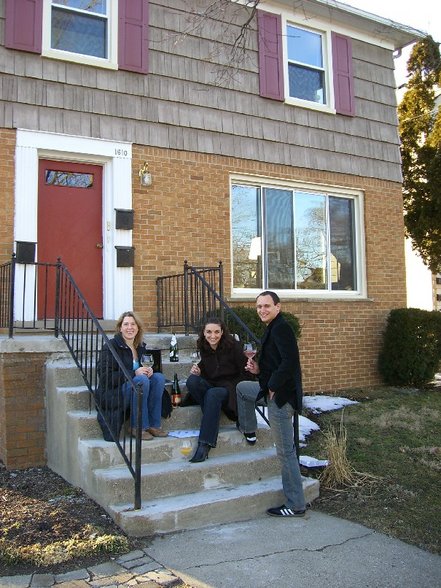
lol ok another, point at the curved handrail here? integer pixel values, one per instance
(47, 294)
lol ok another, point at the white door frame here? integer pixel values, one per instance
(116, 159)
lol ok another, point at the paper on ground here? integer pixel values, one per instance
(180, 434)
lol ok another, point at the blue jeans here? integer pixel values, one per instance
(247, 393)
(282, 431)
(211, 400)
(152, 390)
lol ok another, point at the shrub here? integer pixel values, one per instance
(411, 348)
(250, 318)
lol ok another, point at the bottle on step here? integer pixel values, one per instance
(176, 392)
(174, 351)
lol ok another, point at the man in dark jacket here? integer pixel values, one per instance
(280, 386)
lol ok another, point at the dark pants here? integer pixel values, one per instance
(210, 400)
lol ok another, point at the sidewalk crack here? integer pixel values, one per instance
(283, 551)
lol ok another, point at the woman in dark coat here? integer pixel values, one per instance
(114, 395)
(212, 382)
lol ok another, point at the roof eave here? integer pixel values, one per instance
(398, 35)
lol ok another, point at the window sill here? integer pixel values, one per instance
(310, 105)
(81, 59)
(303, 297)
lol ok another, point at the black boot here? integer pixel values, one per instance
(201, 453)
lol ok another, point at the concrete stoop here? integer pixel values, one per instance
(237, 482)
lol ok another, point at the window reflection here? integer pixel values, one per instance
(292, 239)
(341, 224)
(68, 179)
(279, 238)
(304, 46)
(80, 26)
(306, 84)
(246, 222)
(306, 74)
(89, 5)
(311, 240)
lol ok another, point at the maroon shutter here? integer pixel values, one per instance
(343, 78)
(133, 35)
(270, 55)
(23, 25)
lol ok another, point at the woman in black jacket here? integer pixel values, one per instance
(212, 382)
(114, 395)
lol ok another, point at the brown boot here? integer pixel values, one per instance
(145, 435)
(157, 432)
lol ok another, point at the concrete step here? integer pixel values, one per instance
(85, 424)
(205, 508)
(63, 372)
(184, 418)
(67, 373)
(102, 454)
(173, 478)
(75, 397)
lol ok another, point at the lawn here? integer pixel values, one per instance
(393, 434)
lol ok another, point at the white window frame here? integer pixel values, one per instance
(325, 34)
(112, 49)
(360, 259)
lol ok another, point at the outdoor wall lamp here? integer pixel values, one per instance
(145, 177)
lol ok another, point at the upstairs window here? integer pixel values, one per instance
(306, 67)
(80, 30)
(306, 72)
(80, 26)
(102, 33)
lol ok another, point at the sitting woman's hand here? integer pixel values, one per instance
(195, 370)
(144, 371)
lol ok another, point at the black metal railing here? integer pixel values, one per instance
(6, 295)
(45, 296)
(186, 300)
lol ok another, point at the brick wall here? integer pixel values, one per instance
(7, 159)
(185, 214)
(22, 416)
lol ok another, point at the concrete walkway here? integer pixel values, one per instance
(316, 551)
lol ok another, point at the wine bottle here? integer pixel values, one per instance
(176, 392)
(174, 351)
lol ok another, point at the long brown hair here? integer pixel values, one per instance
(225, 341)
(139, 335)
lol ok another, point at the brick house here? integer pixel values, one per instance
(281, 160)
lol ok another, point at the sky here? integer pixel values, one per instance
(424, 15)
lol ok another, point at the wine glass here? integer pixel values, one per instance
(186, 447)
(249, 350)
(195, 358)
(147, 360)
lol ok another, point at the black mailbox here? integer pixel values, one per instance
(25, 252)
(123, 219)
(125, 256)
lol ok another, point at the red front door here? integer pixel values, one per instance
(70, 227)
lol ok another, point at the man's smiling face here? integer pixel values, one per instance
(266, 309)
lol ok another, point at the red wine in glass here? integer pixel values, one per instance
(249, 350)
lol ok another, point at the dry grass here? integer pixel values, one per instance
(340, 473)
